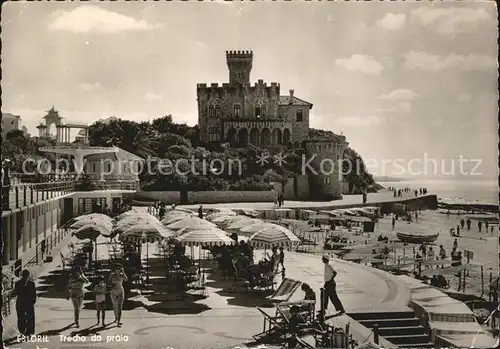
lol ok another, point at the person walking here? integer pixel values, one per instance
(442, 254)
(468, 224)
(25, 291)
(455, 244)
(479, 225)
(281, 259)
(100, 300)
(330, 287)
(200, 212)
(431, 255)
(76, 283)
(462, 223)
(116, 280)
(393, 222)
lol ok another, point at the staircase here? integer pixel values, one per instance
(401, 328)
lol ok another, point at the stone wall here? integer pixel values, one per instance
(297, 188)
(207, 197)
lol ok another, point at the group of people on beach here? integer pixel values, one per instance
(398, 193)
(114, 287)
(26, 297)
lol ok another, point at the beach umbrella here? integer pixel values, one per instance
(212, 216)
(205, 237)
(90, 231)
(243, 223)
(228, 220)
(132, 213)
(125, 225)
(251, 229)
(81, 223)
(94, 216)
(273, 237)
(190, 223)
(169, 219)
(145, 233)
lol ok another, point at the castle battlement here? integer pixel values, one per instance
(239, 54)
(225, 87)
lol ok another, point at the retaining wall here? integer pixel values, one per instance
(207, 197)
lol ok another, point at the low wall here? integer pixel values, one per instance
(207, 197)
(428, 202)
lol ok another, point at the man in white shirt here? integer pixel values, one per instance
(330, 287)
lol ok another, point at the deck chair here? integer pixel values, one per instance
(275, 323)
(66, 261)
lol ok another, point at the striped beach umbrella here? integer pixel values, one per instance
(146, 233)
(174, 217)
(273, 237)
(190, 223)
(205, 238)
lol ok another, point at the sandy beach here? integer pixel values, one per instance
(484, 245)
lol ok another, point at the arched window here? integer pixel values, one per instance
(327, 180)
(263, 110)
(210, 111)
(217, 111)
(237, 110)
(257, 111)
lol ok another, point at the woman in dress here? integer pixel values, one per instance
(116, 280)
(76, 283)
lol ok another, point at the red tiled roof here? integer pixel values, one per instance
(285, 100)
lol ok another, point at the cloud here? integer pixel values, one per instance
(361, 63)
(90, 86)
(451, 20)
(152, 97)
(357, 121)
(417, 60)
(92, 19)
(400, 95)
(464, 97)
(392, 21)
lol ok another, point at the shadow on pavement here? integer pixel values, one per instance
(55, 332)
(239, 296)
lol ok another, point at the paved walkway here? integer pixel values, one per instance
(221, 320)
(380, 197)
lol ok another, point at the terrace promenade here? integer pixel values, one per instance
(348, 201)
(217, 319)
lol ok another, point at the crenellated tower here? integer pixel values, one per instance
(240, 66)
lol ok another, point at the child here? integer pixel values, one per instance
(100, 299)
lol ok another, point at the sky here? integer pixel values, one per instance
(402, 80)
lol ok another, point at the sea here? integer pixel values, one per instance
(484, 191)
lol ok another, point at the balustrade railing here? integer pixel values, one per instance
(24, 194)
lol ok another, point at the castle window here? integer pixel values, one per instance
(298, 115)
(213, 134)
(211, 111)
(217, 111)
(257, 111)
(327, 180)
(237, 109)
(263, 110)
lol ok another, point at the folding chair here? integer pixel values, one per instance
(65, 261)
(276, 323)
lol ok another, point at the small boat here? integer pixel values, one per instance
(411, 238)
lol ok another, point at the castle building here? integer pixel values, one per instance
(238, 113)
